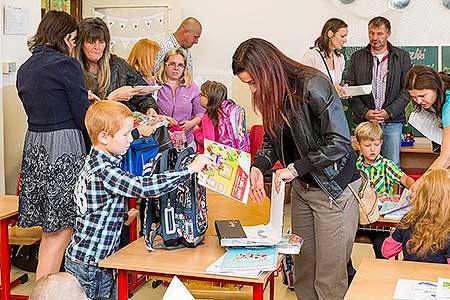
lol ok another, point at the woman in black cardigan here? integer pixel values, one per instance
(51, 87)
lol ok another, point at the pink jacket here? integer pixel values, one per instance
(231, 129)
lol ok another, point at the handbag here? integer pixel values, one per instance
(367, 200)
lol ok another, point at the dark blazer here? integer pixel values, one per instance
(320, 132)
(360, 72)
(51, 87)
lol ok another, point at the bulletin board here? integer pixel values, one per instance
(128, 24)
(446, 59)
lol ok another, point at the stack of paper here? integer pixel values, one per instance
(392, 206)
(422, 290)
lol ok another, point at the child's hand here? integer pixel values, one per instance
(199, 162)
(172, 121)
(146, 129)
(132, 214)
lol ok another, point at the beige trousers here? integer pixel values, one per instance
(328, 230)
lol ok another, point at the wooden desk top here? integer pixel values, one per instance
(183, 262)
(377, 278)
(9, 206)
(421, 145)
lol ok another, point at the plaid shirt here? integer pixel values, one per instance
(100, 194)
(169, 43)
(383, 173)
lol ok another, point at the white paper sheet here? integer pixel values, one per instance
(177, 291)
(428, 124)
(146, 89)
(415, 290)
(358, 90)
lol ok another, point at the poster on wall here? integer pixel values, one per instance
(446, 59)
(423, 55)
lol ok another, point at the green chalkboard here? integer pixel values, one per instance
(423, 55)
(446, 59)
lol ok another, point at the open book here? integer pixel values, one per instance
(265, 234)
(427, 124)
(230, 175)
(391, 206)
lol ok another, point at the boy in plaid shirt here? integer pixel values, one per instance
(100, 194)
(382, 172)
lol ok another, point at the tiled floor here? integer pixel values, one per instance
(147, 292)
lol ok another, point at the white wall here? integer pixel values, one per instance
(12, 116)
(293, 25)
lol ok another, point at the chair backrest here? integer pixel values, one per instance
(256, 139)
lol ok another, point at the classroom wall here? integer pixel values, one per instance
(12, 116)
(292, 25)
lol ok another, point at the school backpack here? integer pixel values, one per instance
(183, 212)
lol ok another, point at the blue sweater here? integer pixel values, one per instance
(51, 87)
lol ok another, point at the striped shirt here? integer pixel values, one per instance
(167, 44)
(100, 193)
(379, 79)
(383, 174)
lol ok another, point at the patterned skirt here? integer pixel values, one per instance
(50, 166)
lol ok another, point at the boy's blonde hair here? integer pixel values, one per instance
(53, 286)
(429, 217)
(105, 115)
(368, 131)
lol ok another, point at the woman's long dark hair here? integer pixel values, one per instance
(274, 75)
(52, 30)
(92, 30)
(323, 41)
(216, 92)
(425, 78)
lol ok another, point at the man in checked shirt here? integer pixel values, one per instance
(100, 194)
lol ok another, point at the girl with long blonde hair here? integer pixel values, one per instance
(424, 232)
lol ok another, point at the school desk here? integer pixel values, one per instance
(377, 278)
(186, 263)
(8, 215)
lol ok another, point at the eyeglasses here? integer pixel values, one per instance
(173, 65)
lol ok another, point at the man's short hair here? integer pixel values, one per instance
(368, 131)
(57, 286)
(105, 115)
(378, 21)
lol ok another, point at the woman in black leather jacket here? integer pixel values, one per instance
(307, 131)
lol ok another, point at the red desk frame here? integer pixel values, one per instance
(5, 262)
(258, 288)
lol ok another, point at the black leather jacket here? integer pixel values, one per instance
(360, 72)
(320, 133)
(123, 74)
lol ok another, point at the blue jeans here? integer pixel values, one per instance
(392, 140)
(95, 281)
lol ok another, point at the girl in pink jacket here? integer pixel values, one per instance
(224, 120)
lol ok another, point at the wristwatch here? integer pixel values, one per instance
(292, 169)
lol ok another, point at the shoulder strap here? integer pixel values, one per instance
(325, 63)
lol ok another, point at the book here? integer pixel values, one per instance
(357, 90)
(393, 204)
(216, 269)
(141, 119)
(229, 229)
(230, 176)
(177, 290)
(407, 289)
(264, 234)
(250, 259)
(427, 124)
(443, 289)
(290, 244)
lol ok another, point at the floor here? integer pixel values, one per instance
(201, 290)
